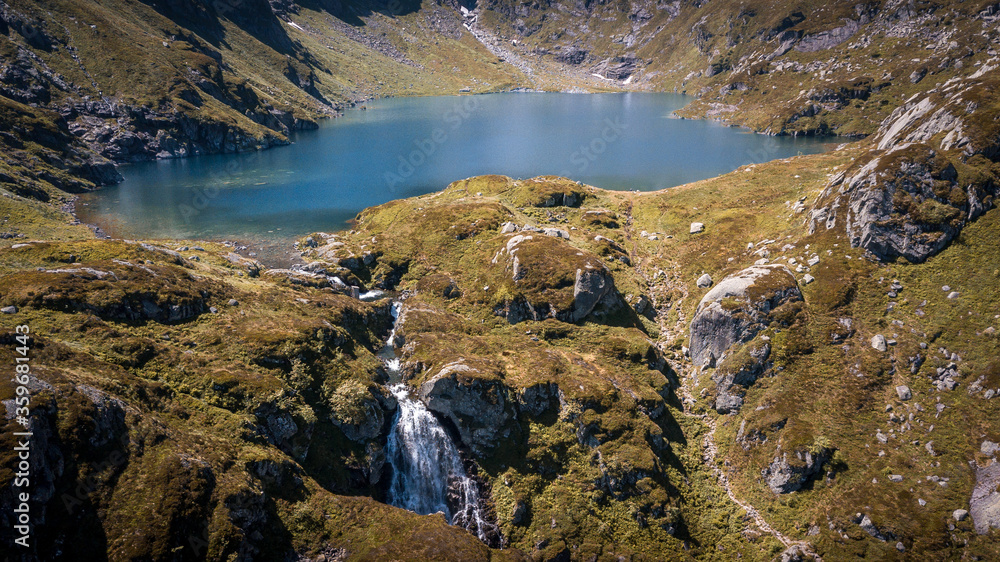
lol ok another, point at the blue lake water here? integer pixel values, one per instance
(409, 146)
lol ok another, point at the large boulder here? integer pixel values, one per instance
(546, 277)
(931, 171)
(359, 411)
(786, 475)
(739, 370)
(473, 398)
(737, 309)
(985, 503)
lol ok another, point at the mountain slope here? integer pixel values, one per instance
(834, 320)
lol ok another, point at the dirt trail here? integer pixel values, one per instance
(662, 286)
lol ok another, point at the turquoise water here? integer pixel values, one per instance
(410, 146)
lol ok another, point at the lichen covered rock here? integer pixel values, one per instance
(545, 277)
(786, 475)
(737, 309)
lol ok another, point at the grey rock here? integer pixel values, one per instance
(705, 281)
(508, 228)
(749, 296)
(591, 287)
(867, 526)
(557, 232)
(483, 411)
(741, 369)
(960, 514)
(794, 553)
(878, 342)
(539, 398)
(895, 477)
(784, 477)
(904, 392)
(953, 295)
(697, 227)
(984, 506)
(9, 310)
(296, 277)
(233, 302)
(359, 412)
(989, 448)
(807, 279)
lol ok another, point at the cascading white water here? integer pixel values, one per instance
(428, 476)
(427, 472)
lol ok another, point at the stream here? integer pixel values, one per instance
(428, 475)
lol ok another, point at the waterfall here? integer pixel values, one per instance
(427, 472)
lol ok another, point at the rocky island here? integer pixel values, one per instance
(796, 360)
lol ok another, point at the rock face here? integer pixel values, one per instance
(480, 408)
(784, 476)
(740, 369)
(985, 503)
(737, 309)
(548, 278)
(358, 412)
(906, 198)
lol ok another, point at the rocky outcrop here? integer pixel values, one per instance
(359, 411)
(737, 309)
(478, 405)
(126, 292)
(907, 202)
(741, 368)
(284, 429)
(551, 279)
(539, 398)
(984, 506)
(929, 174)
(785, 476)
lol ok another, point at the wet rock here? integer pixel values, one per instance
(738, 308)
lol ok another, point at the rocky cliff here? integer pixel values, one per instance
(811, 372)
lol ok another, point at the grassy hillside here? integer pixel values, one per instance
(190, 404)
